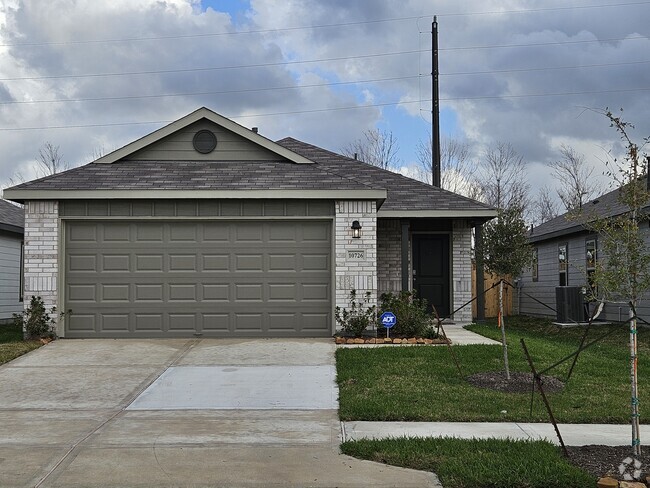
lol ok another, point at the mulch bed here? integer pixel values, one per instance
(518, 383)
(601, 461)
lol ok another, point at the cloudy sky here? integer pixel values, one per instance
(92, 75)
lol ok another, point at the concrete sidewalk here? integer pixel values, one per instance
(572, 434)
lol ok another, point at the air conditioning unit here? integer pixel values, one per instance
(569, 301)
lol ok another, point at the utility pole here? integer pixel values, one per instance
(435, 107)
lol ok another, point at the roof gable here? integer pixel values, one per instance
(174, 142)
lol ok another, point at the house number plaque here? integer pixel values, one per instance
(357, 255)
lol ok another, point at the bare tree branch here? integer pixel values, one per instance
(503, 178)
(376, 147)
(50, 161)
(544, 208)
(577, 185)
(457, 166)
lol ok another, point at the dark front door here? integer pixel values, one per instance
(431, 270)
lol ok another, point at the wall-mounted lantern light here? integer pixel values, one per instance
(356, 229)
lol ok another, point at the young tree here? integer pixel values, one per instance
(376, 147)
(50, 161)
(575, 177)
(624, 273)
(457, 166)
(505, 251)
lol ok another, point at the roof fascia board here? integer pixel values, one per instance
(26, 194)
(195, 116)
(487, 213)
(14, 229)
(558, 233)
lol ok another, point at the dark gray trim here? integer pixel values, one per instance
(14, 229)
(405, 254)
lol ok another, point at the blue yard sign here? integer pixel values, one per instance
(388, 319)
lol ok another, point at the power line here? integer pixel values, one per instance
(223, 92)
(552, 43)
(546, 68)
(321, 26)
(214, 68)
(335, 109)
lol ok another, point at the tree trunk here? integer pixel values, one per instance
(503, 331)
(636, 437)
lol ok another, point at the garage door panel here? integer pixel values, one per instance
(114, 233)
(182, 262)
(149, 232)
(82, 293)
(149, 262)
(216, 292)
(216, 322)
(182, 321)
(248, 293)
(80, 322)
(182, 293)
(248, 322)
(282, 322)
(149, 321)
(82, 262)
(216, 262)
(116, 262)
(115, 322)
(115, 293)
(225, 278)
(249, 262)
(149, 292)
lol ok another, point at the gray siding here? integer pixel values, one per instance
(9, 275)
(230, 147)
(197, 208)
(548, 272)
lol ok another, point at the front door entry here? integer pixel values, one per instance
(431, 270)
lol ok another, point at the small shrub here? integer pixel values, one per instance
(358, 316)
(411, 312)
(36, 320)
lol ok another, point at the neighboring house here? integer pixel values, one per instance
(207, 228)
(12, 220)
(566, 254)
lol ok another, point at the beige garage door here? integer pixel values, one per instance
(213, 278)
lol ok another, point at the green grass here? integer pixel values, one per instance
(12, 344)
(422, 383)
(478, 463)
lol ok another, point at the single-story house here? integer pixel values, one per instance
(566, 254)
(207, 228)
(12, 220)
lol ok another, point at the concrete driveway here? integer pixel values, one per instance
(179, 413)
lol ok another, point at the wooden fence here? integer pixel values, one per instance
(492, 296)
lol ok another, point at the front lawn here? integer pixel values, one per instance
(477, 463)
(12, 344)
(422, 383)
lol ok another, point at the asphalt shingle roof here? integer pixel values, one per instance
(403, 193)
(11, 215)
(193, 175)
(606, 205)
(331, 172)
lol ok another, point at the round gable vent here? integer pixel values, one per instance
(204, 141)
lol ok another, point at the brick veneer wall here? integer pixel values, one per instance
(462, 269)
(360, 275)
(389, 255)
(42, 252)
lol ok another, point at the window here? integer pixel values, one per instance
(591, 257)
(21, 277)
(535, 265)
(563, 264)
